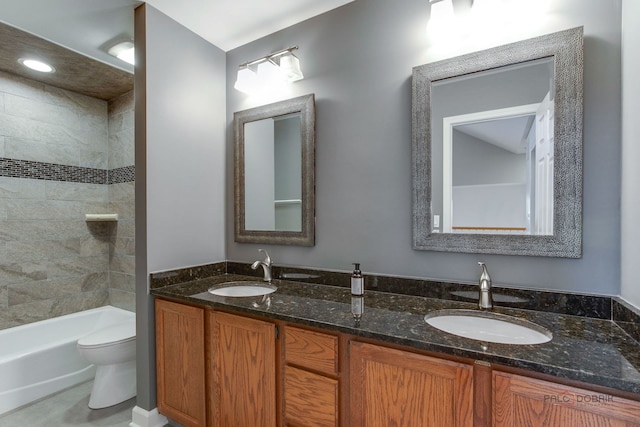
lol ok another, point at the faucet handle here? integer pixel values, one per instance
(485, 302)
(484, 277)
(267, 258)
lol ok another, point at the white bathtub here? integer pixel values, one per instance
(41, 358)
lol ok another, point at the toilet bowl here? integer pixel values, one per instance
(113, 351)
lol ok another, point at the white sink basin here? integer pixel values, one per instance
(488, 327)
(242, 289)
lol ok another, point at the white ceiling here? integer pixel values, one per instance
(508, 133)
(87, 26)
(232, 23)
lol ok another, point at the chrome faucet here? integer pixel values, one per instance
(485, 302)
(266, 265)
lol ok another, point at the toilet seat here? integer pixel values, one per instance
(112, 335)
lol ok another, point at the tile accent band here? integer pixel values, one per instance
(54, 172)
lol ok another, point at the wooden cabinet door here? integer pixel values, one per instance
(522, 401)
(242, 356)
(391, 387)
(180, 363)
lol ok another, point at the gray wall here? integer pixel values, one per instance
(631, 152)
(287, 155)
(180, 104)
(479, 162)
(185, 146)
(357, 60)
(259, 176)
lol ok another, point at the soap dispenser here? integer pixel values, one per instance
(357, 281)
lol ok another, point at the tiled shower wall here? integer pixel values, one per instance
(121, 201)
(56, 151)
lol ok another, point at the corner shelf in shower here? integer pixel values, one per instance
(101, 217)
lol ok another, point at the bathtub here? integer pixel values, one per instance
(41, 358)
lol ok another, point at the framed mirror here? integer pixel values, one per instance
(497, 149)
(274, 173)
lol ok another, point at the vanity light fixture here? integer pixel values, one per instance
(269, 73)
(499, 11)
(37, 65)
(442, 17)
(123, 51)
(496, 11)
(247, 80)
(271, 70)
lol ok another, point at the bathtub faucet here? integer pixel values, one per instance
(266, 265)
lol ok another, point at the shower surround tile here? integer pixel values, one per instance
(11, 188)
(124, 246)
(121, 131)
(73, 191)
(37, 250)
(123, 193)
(122, 281)
(23, 209)
(55, 150)
(45, 309)
(4, 298)
(11, 273)
(122, 299)
(41, 151)
(122, 200)
(27, 129)
(56, 288)
(122, 263)
(88, 122)
(77, 266)
(15, 85)
(13, 230)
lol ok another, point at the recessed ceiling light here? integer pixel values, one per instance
(36, 65)
(123, 51)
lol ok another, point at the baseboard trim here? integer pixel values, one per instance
(143, 418)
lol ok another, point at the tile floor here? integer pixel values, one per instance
(69, 408)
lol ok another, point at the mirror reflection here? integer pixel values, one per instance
(492, 164)
(274, 177)
(273, 174)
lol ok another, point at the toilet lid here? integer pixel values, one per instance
(121, 332)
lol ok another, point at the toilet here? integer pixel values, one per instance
(113, 351)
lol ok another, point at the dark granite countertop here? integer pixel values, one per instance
(594, 351)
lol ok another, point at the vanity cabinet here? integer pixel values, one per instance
(397, 387)
(241, 352)
(180, 353)
(524, 401)
(310, 378)
(220, 369)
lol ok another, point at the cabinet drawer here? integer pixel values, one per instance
(310, 400)
(313, 350)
